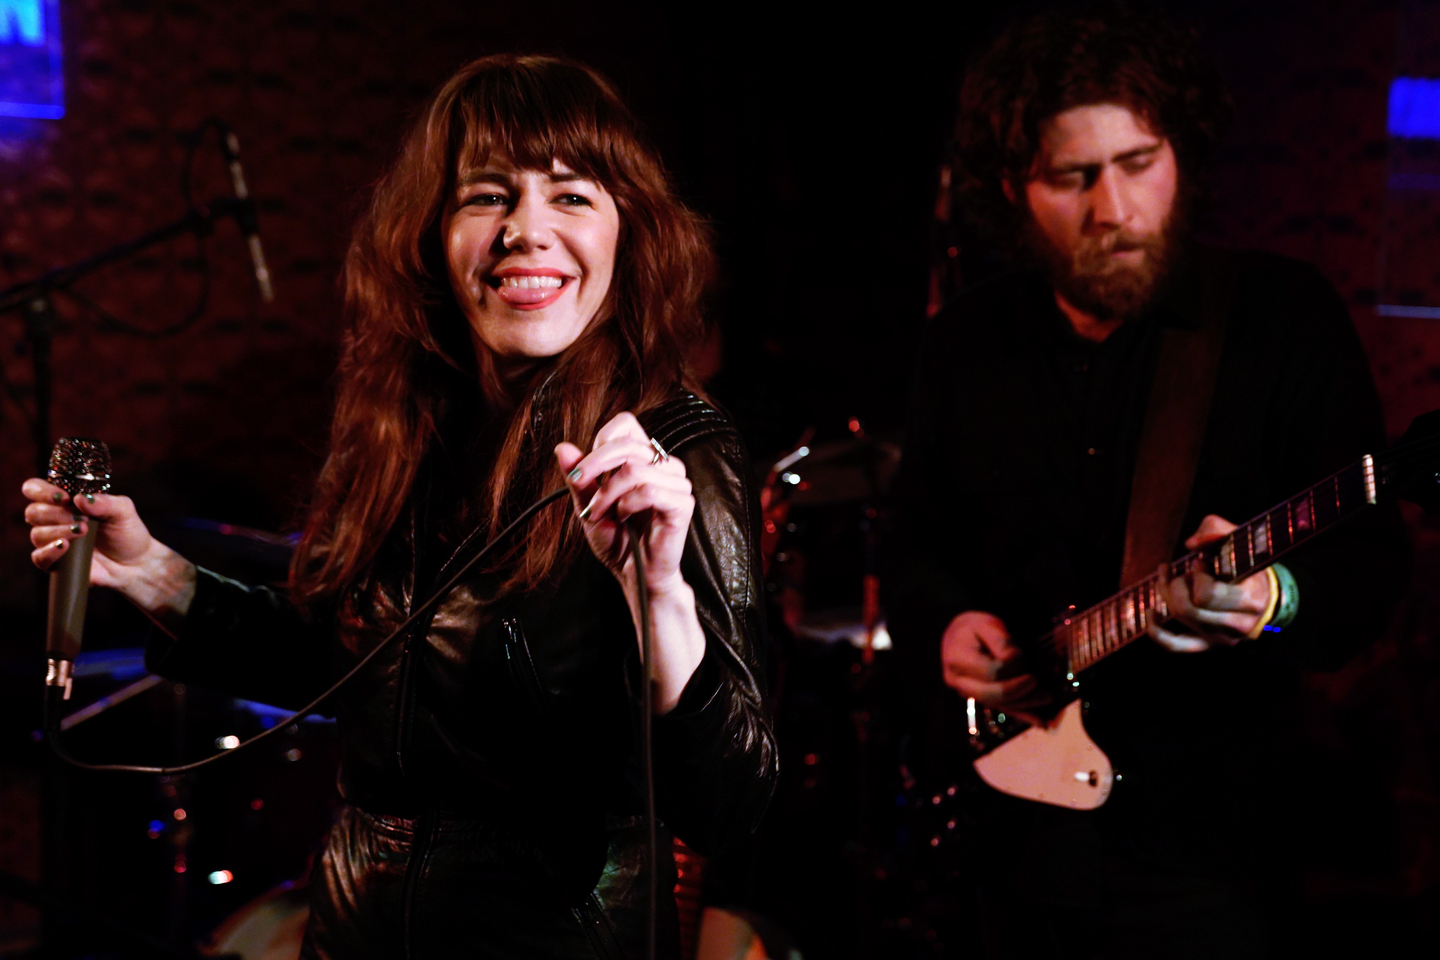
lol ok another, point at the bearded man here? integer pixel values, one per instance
(1081, 143)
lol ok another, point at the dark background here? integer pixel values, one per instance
(809, 137)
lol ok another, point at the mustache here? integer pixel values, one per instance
(1119, 241)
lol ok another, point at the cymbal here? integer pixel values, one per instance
(842, 472)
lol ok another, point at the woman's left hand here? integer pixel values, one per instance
(625, 478)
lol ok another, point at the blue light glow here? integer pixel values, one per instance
(1415, 108)
(32, 82)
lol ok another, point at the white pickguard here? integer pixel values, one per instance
(1057, 764)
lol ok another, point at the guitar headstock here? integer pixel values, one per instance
(1410, 469)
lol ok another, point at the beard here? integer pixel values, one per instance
(1092, 279)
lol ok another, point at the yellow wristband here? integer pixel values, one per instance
(1270, 606)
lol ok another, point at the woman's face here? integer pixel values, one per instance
(530, 255)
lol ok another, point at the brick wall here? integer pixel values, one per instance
(762, 117)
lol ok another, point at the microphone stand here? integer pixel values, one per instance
(36, 299)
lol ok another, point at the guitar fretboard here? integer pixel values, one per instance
(1085, 637)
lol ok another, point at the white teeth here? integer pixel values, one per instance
(532, 283)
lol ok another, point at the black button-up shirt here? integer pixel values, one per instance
(1013, 494)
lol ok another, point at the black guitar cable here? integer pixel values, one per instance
(54, 703)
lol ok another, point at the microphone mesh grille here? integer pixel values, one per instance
(80, 466)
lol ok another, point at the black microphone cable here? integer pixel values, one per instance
(53, 703)
(647, 754)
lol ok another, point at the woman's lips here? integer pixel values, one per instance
(529, 292)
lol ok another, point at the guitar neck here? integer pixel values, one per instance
(1086, 637)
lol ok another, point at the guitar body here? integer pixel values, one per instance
(1056, 763)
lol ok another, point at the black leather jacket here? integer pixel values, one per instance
(490, 760)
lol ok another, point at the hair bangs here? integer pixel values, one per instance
(536, 117)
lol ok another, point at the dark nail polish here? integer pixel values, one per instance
(58, 497)
(90, 497)
(59, 544)
(573, 475)
(75, 528)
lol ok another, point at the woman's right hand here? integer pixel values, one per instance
(127, 558)
(56, 518)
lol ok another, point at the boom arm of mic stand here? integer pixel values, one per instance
(200, 221)
(34, 295)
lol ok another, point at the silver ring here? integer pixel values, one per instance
(660, 455)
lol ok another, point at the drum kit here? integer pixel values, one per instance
(828, 864)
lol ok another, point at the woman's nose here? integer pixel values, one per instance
(513, 237)
(525, 228)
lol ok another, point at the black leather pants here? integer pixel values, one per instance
(437, 886)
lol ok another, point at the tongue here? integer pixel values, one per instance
(525, 295)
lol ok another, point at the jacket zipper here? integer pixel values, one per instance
(522, 665)
(422, 841)
(405, 695)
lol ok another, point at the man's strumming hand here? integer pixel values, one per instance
(978, 660)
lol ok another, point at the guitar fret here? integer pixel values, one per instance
(1244, 558)
(1325, 502)
(1224, 560)
(1303, 517)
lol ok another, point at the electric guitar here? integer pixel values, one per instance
(1057, 762)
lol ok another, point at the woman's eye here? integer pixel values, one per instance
(573, 200)
(485, 200)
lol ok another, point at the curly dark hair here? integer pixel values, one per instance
(1111, 52)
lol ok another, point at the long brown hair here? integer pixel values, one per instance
(408, 350)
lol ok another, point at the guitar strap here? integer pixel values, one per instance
(1175, 420)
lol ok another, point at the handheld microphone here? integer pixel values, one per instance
(77, 466)
(245, 214)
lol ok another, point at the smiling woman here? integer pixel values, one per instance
(530, 256)
(511, 169)
(522, 293)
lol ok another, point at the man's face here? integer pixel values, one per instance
(1100, 199)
